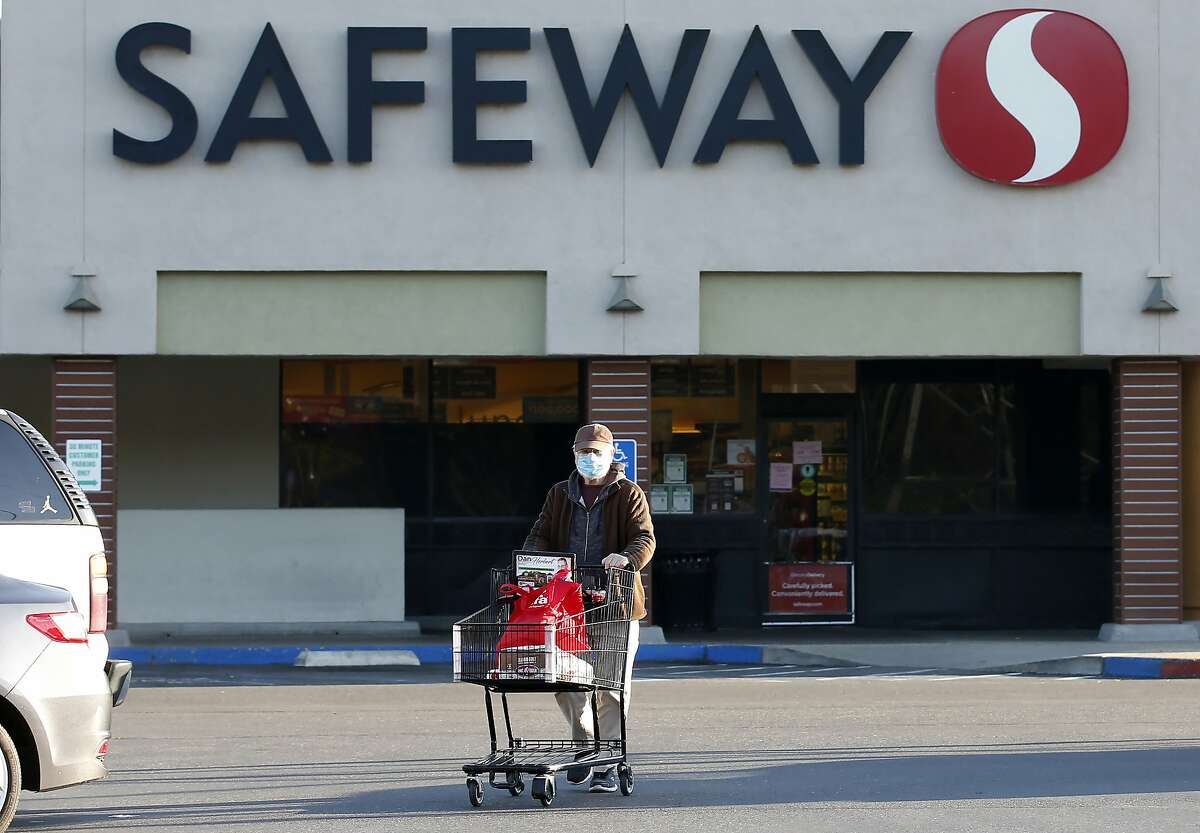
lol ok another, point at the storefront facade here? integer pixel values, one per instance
(343, 281)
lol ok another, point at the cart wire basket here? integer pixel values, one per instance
(585, 652)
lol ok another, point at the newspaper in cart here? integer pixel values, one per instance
(535, 569)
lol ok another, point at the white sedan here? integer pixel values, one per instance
(55, 702)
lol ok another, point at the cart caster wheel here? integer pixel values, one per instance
(625, 778)
(516, 786)
(543, 790)
(475, 792)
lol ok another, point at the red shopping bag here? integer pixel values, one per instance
(559, 601)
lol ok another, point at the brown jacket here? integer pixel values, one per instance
(628, 529)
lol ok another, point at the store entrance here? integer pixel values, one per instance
(808, 569)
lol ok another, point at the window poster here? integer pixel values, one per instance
(660, 498)
(675, 468)
(739, 452)
(781, 477)
(807, 453)
(681, 498)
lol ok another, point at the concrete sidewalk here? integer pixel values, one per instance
(1036, 652)
(1057, 653)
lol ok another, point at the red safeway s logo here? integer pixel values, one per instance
(1033, 97)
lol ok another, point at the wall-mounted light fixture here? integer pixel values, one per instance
(1160, 299)
(622, 300)
(83, 296)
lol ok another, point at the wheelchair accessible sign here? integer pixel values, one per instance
(625, 451)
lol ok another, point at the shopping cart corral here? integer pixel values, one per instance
(580, 652)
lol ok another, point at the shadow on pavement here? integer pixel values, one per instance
(704, 779)
(878, 777)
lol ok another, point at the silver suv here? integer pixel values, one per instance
(57, 686)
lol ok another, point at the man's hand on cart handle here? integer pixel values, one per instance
(615, 559)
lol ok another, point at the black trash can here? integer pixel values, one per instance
(685, 590)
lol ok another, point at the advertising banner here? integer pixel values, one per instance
(814, 589)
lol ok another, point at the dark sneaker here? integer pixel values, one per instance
(604, 782)
(579, 774)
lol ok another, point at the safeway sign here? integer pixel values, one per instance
(1033, 97)
(1024, 97)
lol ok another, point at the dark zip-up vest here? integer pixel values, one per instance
(586, 536)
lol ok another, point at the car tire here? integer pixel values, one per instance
(10, 780)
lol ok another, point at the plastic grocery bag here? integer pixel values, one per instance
(557, 605)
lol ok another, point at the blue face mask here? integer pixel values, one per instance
(592, 466)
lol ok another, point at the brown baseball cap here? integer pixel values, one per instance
(593, 434)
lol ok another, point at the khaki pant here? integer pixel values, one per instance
(577, 705)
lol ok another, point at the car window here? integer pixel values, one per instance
(29, 494)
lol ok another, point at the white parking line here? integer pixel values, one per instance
(834, 668)
(791, 671)
(771, 668)
(706, 670)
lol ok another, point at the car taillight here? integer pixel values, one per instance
(60, 627)
(99, 590)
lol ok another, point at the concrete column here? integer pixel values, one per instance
(1191, 490)
(1147, 502)
(84, 398)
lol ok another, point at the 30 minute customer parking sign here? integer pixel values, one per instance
(84, 459)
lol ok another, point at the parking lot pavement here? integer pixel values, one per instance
(722, 750)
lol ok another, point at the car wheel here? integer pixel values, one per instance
(10, 780)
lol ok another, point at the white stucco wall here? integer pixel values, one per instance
(910, 209)
(228, 569)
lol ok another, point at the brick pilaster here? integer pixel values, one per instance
(1147, 491)
(85, 407)
(618, 395)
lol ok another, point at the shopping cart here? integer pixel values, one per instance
(542, 664)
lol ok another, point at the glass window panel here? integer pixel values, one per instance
(354, 434)
(1054, 431)
(503, 433)
(331, 464)
(706, 409)
(499, 469)
(531, 391)
(356, 392)
(808, 376)
(808, 512)
(930, 448)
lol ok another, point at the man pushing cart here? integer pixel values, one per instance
(576, 635)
